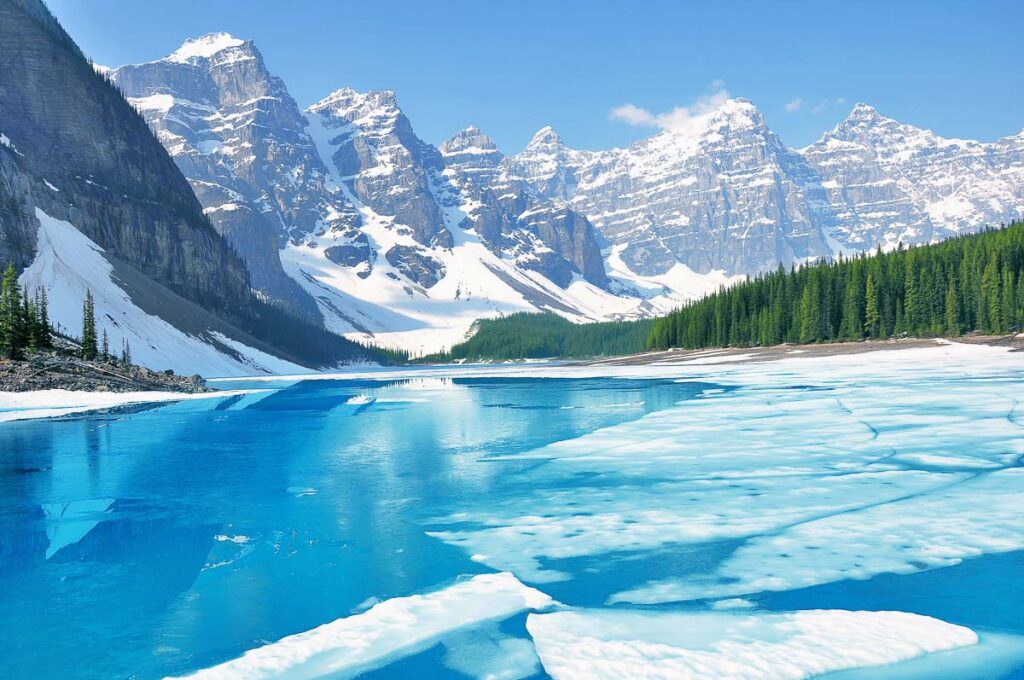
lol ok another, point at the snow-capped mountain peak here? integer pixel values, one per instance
(352, 105)
(204, 47)
(862, 111)
(891, 182)
(470, 140)
(545, 138)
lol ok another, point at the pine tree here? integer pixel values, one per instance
(1008, 300)
(911, 301)
(105, 347)
(44, 332)
(952, 310)
(11, 315)
(29, 322)
(853, 306)
(872, 318)
(89, 349)
(991, 297)
(126, 352)
(810, 314)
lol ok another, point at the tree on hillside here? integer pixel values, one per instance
(89, 349)
(44, 333)
(872, 317)
(12, 327)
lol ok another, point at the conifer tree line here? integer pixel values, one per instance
(969, 283)
(25, 324)
(24, 321)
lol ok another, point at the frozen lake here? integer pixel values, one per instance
(762, 520)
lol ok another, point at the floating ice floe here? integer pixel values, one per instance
(395, 627)
(644, 645)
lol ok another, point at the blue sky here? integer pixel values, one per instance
(513, 67)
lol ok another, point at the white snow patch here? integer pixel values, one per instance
(154, 102)
(204, 47)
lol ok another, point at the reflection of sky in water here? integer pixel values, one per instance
(178, 537)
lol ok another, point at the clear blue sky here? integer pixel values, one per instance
(513, 67)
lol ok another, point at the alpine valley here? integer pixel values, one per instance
(340, 213)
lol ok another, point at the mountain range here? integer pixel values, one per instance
(340, 213)
(400, 242)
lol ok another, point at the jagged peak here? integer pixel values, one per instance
(348, 98)
(204, 47)
(862, 110)
(711, 117)
(544, 138)
(739, 109)
(468, 138)
(863, 114)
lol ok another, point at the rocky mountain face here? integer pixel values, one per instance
(514, 219)
(347, 204)
(92, 161)
(729, 195)
(90, 199)
(18, 232)
(889, 182)
(237, 135)
(372, 145)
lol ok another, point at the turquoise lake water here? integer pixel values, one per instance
(170, 539)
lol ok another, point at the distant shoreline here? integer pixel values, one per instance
(790, 351)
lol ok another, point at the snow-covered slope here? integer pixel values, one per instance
(67, 264)
(890, 182)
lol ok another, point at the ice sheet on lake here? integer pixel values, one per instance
(395, 627)
(982, 515)
(821, 469)
(660, 645)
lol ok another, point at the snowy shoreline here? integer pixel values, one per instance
(724, 366)
(54, 403)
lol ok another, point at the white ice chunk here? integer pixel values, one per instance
(658, 645)
(395, 627)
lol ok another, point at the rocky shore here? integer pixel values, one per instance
(55, 370)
